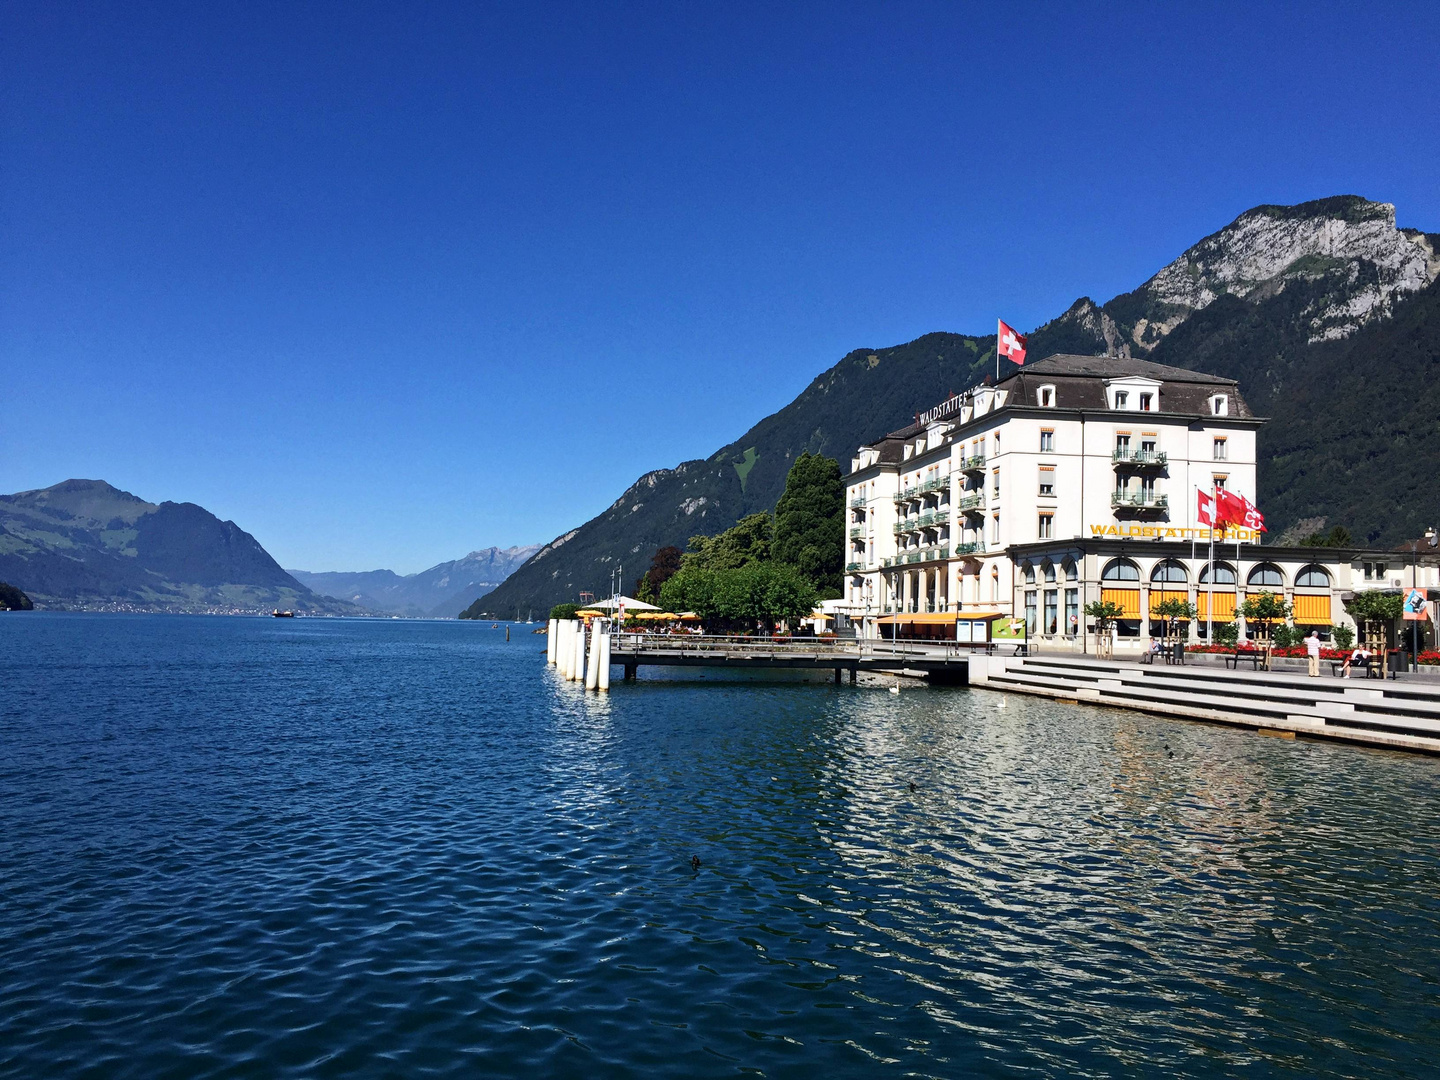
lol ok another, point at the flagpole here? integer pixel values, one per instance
(1210, 576)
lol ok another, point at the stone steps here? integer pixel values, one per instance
(1402, 715)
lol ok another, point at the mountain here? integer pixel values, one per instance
(84, 544)
(1313, 308)
(440, 592)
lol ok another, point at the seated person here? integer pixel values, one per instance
(1361, 654)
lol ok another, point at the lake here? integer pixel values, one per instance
(254, 847)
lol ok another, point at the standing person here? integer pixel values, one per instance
(1312, 653)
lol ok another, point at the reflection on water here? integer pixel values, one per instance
(341, 848)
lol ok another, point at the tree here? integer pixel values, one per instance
(1105, 613)
(1174, 611)
(664, 564)
(747, 541)
(810, 522)
(1337, 537)
(740, 597)
(564, 611)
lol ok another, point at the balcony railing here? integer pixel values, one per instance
(850, 568)
(1125, 456)
(857, 500)
(973, 463)
(968, 549)
(857, 532)
(939, 483)
(1139, 500)
(972, 502)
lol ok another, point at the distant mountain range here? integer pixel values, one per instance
(1326, 313)
(83, 544)
(443, 591)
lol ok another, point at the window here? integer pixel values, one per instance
(1047, 397)
(1224, 575)
(1072, 612)
(1221, 451)
(995, 482)
(1047, 480)
(1169, 571)
(997, 442)
(1122, 443)
(1145, 402)
(994, 585)
(1047, 441)
(1052, 611)
(1219, 405)
(1069, 568)
(1219, 481)
(1120, 570)
(995, 528)
(1266, 575)
(1375, 571)
(1050, 572)
(1147, 488)
(1047, 527)
(1029, 612)
(1122, 399)
(1312, 577)
(1029, 574)
(1147, 444)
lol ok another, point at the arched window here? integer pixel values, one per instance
(1049, 571)
(1224, 575)
(1120, 570)
(1266, 575)
(1169, 571)
(1068, 566)
(1029, 574)
(1312, 577)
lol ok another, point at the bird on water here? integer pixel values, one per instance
(694, 862)
(913, 787)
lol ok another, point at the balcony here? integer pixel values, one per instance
(857, 532)
(1139, 500)
(972, 502)
(851, 568)
(969, 549)
(940, 483)
(973, 463)
(1153, 459)
(942, 517)
(857, 500)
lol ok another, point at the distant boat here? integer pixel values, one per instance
(277, 613)
(494, 626)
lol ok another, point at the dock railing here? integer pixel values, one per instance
(840, 649)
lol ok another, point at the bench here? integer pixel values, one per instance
(1255, 656)
(1371, 666)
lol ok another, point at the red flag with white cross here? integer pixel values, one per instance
(1010, 344)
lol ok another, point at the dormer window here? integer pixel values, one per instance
(1219, 405)
(1146, 402)
(1122, 399)
(1047, 397)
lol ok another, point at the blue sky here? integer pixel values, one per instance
(387, 283)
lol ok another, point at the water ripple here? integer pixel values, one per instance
(235, 848)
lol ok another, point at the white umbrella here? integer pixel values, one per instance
(629, 603)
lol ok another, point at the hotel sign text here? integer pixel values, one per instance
(1171, 532)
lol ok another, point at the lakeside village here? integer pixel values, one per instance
(1092, 505)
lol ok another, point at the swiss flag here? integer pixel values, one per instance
(1230, 508)
(1204, 508)
(1010, 344)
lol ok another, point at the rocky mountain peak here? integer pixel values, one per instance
(1350, 244)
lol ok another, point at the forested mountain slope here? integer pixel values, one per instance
(1294, 302)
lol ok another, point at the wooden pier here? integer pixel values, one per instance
(946, 663)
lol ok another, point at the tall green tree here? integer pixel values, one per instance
(810, 523)
(746, 542)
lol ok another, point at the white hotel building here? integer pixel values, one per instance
(1070, 481)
